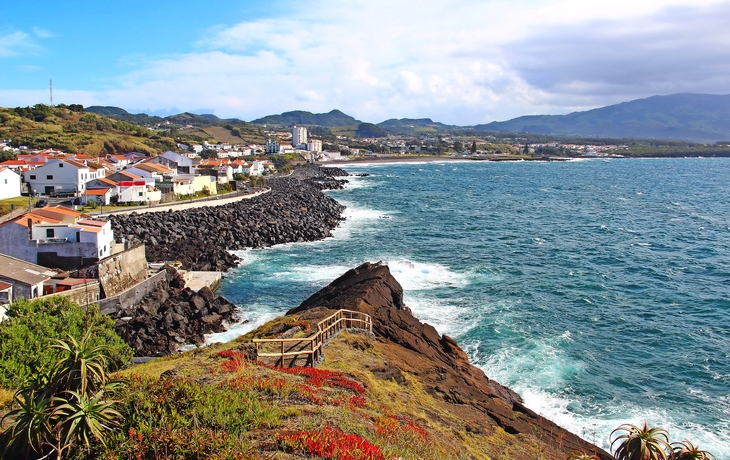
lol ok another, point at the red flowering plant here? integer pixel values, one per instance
(331, 443)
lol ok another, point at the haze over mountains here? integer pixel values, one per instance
(689, 117)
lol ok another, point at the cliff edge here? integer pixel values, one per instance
(437, 361)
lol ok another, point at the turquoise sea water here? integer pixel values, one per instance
(598, 290)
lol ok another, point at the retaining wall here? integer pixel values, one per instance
(132, 296)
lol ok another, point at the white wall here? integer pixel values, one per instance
(9, 184)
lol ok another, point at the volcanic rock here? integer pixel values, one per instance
(437, 360)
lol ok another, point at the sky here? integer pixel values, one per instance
(459, 62)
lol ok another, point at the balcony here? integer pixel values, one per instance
(52, 240)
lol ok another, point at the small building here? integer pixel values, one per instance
(58, 237)
(9, 183)
(26, 279)
(314, 145)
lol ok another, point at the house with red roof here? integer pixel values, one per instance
(55, 236)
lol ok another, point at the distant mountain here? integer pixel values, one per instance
(300, 117)
(120, 114)
(690, 117)
(193, 119)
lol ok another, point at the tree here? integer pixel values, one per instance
(637, 443)
(65, 406)
(474, 146)
(458, 146)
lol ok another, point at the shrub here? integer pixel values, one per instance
(31, 327)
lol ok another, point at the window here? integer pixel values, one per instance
(50, 233)
(140, 193)
(49, 177)
(32, 177)
(6, 181)
(60, 165)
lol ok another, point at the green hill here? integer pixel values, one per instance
(75, 131)
(300, 117)
(415, 126)
(370, 130)
(120, 114)
(690, 117)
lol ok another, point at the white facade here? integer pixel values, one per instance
(299, 136)
(64, 240)
(272, 146)
(9, 184)
(314, 145)
(58, 176)
(138, 192)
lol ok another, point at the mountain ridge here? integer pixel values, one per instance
(683, 116)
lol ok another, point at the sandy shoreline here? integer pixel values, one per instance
(394, 159)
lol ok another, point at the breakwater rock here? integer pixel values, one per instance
(437, 360)
(170, 316)
(295, 210)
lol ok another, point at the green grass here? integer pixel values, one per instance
(17, 202)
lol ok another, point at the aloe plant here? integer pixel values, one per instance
(66, 407)
(637, 443)
(685, 450)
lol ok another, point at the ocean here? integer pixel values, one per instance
(598, 290)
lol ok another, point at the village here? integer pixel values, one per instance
(60, 243)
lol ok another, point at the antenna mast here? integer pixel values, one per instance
(51, 92)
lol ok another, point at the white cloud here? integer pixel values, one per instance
(15, 43)
(459, 62)
(42, 33)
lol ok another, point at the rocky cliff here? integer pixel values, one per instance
(437, 360)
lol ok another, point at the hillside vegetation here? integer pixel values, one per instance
(75, 131)
(111, 130)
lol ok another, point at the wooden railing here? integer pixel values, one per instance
(312, 346)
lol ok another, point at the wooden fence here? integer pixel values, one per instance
(312, 346)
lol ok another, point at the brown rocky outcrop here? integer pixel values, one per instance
(438, 360)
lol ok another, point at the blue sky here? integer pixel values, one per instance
(458, 61)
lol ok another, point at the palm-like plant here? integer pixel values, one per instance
(67, 406)
(30, 421)
(640, 443)
(685, 450)
(84, 367)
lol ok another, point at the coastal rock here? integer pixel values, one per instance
(437, 360)
(168, 317)
(295, 210)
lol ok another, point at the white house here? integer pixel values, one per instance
(175, 161)
(9, 183)
(20, 279)
(138, 191)
(58, 176)
(314, 145)
(55, 236)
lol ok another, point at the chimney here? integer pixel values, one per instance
(30, 229)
